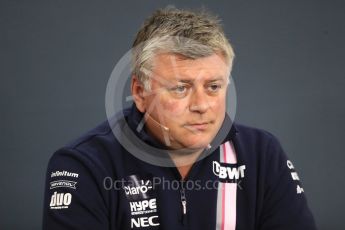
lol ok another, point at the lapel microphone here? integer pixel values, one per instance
(164, 127)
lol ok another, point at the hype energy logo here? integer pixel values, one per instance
(228, 173)
(148, 208)
(144, 213)
(143, 206)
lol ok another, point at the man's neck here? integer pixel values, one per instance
(184, 162)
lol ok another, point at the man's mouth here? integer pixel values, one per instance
(198, 127)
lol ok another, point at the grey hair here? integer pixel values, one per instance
(190, 34)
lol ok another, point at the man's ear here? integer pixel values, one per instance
(137, 90)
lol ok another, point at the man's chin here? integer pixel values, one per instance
(196, 144)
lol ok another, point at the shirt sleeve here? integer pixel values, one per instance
(74, 198)
(285, 204)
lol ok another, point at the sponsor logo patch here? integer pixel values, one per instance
(144, 222)
(64, 174)
(143, 206)
(142, 201)
(142, 188)
(228, 173)
(60, 200)
(63, 184)
(294, 177)
(138, 188)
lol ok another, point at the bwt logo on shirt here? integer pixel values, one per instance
(228, 172)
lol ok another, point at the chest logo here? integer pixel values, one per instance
(229, 173)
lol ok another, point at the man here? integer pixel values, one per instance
(200, 170)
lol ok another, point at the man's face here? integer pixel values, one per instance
(188, 97)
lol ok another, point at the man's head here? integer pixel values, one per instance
(181, 66)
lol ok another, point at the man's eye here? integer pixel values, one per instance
(180, 89)
(214, 87)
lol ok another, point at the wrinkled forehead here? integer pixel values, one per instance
(179, 68)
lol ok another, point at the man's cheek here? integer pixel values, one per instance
(219, 105)
(173, 108)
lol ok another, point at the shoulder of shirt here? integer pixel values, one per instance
(255, 136)
(249, 131)
(101, 135)
(258, 145)
(103, 130)
(93, 150)
(97, 143)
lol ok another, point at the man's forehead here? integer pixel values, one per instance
(177, 60)
(175, 67)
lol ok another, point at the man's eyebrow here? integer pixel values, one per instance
(216, 79)
(185, 80)
(191, 81)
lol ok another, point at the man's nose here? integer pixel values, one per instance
(199, 101)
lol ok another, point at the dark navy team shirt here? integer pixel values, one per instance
(245, 181)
